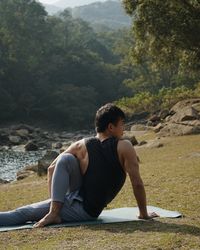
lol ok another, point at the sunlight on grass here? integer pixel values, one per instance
(171, 176)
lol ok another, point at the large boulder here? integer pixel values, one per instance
(185, 114)
(45, 162)
(184, 119)
(180, 129)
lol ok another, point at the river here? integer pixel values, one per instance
(12, 161)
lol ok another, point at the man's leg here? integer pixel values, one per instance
(32, 212)
(66, 178)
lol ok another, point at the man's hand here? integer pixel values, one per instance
(148, 216)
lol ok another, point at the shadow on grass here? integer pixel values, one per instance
(151, 226)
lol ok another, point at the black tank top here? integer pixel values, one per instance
(104, 176)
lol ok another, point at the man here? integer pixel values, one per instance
(87, 176)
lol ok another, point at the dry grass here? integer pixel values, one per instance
(172, 179)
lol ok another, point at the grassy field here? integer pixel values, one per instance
(172, 180)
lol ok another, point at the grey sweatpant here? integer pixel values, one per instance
(66, 182)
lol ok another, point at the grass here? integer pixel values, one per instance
(172, 180)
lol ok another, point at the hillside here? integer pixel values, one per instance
(52, 9)
(71, 3)
(109, 13)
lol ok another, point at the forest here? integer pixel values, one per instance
(58, 70)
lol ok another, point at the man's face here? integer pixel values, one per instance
(118, 129)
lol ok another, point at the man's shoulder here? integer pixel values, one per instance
(124, 143)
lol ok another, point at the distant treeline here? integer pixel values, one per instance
(56, 69)
(53, 68)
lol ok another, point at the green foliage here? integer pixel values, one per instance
(164, 99)
(53, 68)
(164, 35)
(143, 101)
(165, 55)
(58, 69)
(167, 32)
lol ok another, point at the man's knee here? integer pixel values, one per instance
(67, 160)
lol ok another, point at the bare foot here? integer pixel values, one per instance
(48, 219)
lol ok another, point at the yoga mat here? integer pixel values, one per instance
(125, 214)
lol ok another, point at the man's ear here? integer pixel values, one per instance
(110, 126)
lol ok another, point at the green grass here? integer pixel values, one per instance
(172, 180)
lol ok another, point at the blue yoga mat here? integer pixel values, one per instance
(125, 214)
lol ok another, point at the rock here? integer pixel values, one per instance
(171, 129)
(154, 144)
(4, 148)
(139, 127)
(131, 138)
(194, 155)
(196, 106)
(185, 114)
(19, 148)
(158, 127)
(33, 168)
(23, 127)
(14, 139)
(45, 162)
(184, 119)
(3, 181)
(167, 119)
(154, 118)
(31, 146)
(149, 123)
(184, 103)
(22, 132)
(24, 174)
(141, 143)
(164, 113)
(57, 145)
(3, 137)
(44, 144)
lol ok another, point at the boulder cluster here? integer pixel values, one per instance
(29, 138)
(182, 119)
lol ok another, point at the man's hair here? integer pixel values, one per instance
(109, 113)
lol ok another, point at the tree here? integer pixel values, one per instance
(23, 33)
(167, 32)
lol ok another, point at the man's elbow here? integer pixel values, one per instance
(51, 169)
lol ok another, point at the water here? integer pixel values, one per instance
(13, 161)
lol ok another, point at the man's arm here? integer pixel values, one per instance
(131, 166)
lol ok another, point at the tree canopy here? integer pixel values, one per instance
(52, 68)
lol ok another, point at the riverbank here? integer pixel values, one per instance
(171, 176)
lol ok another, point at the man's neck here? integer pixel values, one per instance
(103, 136)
